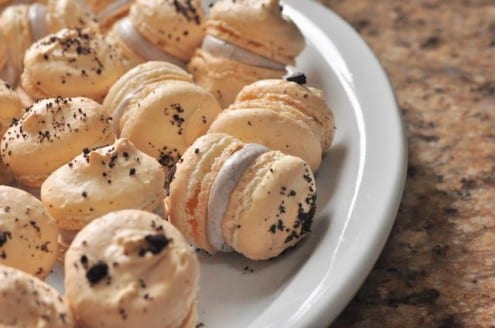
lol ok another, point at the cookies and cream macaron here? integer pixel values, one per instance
(71, 63)
(162, 118)
(28, 234)
(159, 30)
(102, 180)
(26, 301)
(131, 267)
(246, 41)
(25, 24)
(282, 115)
(226, 195)
(51, 133)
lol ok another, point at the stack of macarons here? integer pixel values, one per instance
(134, 131)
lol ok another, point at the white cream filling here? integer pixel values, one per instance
(37, 20)
(226, 180)
(224, 49)
(143, 47)
(113, 8)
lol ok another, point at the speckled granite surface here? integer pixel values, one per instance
(438, 267)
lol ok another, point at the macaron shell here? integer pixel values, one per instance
(174, 26)
(107, 179)
(69, 14)
(256, 25)
(50, 134)
(57, 65)
(28, 234)
(16, 28)
(156, 287)
(272, 206)
(225, 78)
(10, 106)
(139, 76)
(187, 201)
(278, 93)
(278, 130)
(29, 302)
(166, 117)
(127, 55)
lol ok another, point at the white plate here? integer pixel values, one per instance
(359, 188)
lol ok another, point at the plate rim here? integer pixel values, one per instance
(319, 312)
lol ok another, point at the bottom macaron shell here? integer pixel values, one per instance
(272, 207)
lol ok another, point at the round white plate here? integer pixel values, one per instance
(359, 186)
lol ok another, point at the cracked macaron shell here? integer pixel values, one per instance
(102, 180)
(50, 134)
(28, 234)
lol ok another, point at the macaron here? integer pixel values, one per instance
(102, 180)
(26, 301)
(282, 115)
(71, 63)
(28, 234)
(131, 267)
(51, 133)
(161, 118)
(246, 40)
(25, 24)
(227, 195)
(159, 30)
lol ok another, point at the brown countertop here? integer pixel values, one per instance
(438, 267)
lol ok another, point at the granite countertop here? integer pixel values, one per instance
(438, 266)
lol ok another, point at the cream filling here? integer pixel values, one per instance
(224, 49)
(121, 109)
(37, 20)
(113, 8)
(143, 47)
(225, 182)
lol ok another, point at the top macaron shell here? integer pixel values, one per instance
(28, 234)
(256, 25)
(50, 134)
(177, 27)
(130, 268)
(71, 63)
(26, 301)
(103, 180)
